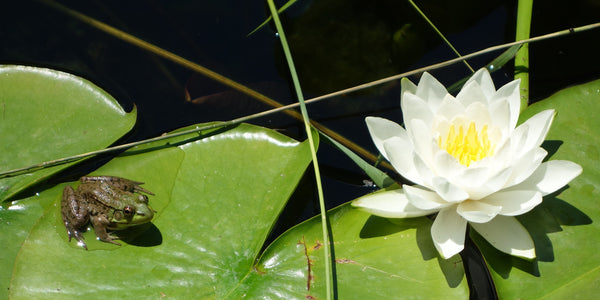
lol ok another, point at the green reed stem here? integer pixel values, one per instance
(313, 150)
(524, 9)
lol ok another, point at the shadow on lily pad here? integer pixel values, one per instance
(546, 218)
(452, 268)
(146, 235)
(551, 146)
(377, 226)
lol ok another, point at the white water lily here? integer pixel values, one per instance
(469, 162)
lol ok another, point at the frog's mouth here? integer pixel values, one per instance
(128, 224)
(143, 217)
(140, 217)
(148, 214)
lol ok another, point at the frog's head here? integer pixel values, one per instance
(134, 211)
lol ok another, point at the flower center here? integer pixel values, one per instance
(468, 146)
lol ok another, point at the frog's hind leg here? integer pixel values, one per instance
(74, 214)
(119, 183)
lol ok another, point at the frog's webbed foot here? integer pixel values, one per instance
(119, 183)
(73, 233)
(100, 229)
(108, 238)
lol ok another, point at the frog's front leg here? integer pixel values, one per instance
(74, 214)
(119, 183)
(100, 224)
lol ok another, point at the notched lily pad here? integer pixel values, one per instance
(47, 115)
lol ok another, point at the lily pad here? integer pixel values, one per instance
(565, 226)
(48, 114)
(374, 259)
(217, 198)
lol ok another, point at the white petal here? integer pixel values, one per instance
(507, 235)
(514, 203)
(503, 154)
(510, 94)
(471, 93)
(425, 173)
(420, 135)
(537, 129)
(477, 211)
(389, 204)
(472, 177)
(501, 116)
(550, 176)
(382, 129)
(484, 80)
(446, 165)
(431, 90)
(448, 232)
(498, 180)
(518, 139)
(424, 199)
(407, 87)
(493, 184)
(450, 108)
(498, 135)
(524, 166)
(414, 107)
(401, 156)
(447, 190)
(479, 113)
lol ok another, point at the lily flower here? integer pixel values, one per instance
(469, 163)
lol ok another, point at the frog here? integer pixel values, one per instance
(108, 203)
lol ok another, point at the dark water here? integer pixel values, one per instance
(336, 44)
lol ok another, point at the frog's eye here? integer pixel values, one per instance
(128, 211)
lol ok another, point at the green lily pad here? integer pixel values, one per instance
(217, 197)
(374, 259)
(48, 114)
(565, 226)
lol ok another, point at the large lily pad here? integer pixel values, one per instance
(48, 114)
(565, 226)
(217, 198)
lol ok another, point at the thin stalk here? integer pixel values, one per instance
(313, 151)
(439, 33)
(69, 159)
(265, 22)
(524, 9)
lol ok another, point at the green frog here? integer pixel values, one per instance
(107, 202)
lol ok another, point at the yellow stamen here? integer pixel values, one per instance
(469, 147)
